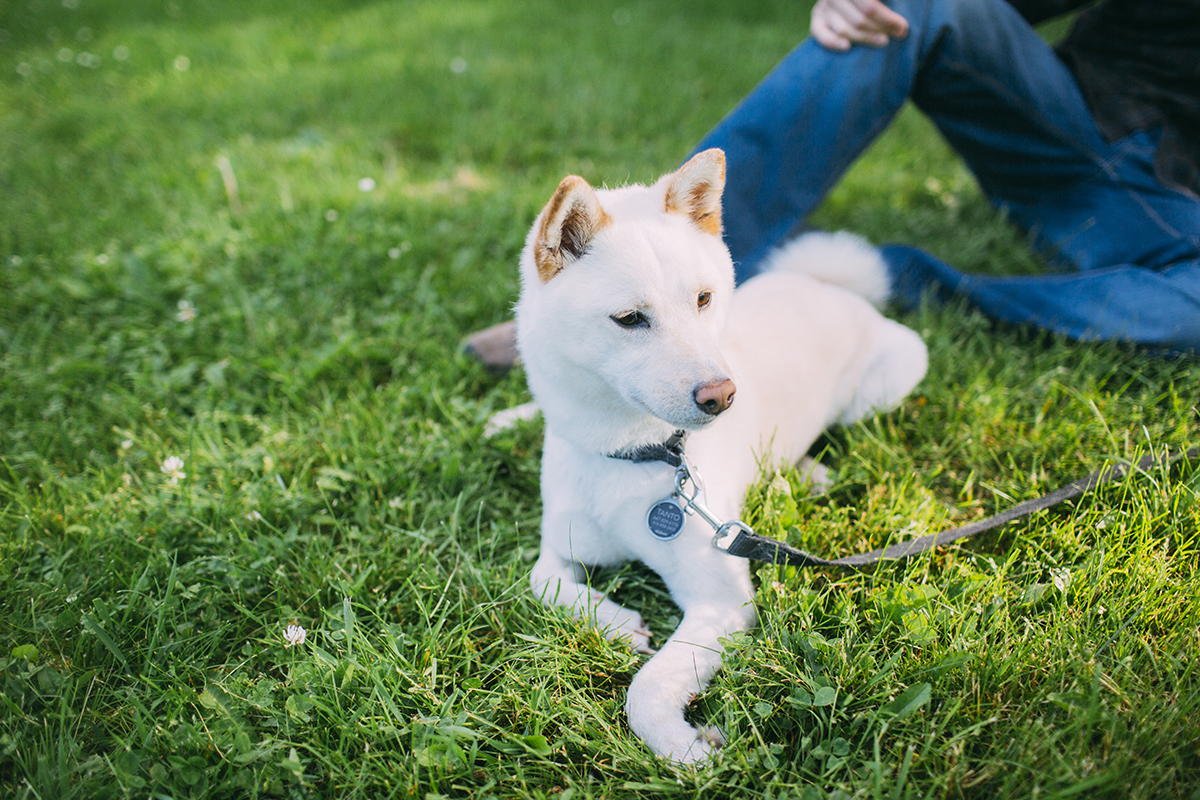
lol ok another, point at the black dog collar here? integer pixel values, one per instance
(669, 452)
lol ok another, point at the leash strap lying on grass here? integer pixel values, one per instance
(747, 544)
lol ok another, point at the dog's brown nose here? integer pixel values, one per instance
(713, 398)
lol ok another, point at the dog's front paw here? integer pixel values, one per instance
(639, 640)
(699, 746)
(633, 631)
(622, 624)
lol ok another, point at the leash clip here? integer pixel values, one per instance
(724, 532)
(725, 536)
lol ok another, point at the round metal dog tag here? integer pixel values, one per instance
(665, 519)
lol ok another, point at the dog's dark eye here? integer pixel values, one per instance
(703, 300)
(634, 319)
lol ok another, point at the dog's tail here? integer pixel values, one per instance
(842, 259)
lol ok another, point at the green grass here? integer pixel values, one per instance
(336, 476)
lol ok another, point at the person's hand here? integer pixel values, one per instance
(839, 24)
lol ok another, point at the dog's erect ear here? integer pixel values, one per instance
(695, 190)
(570, 221)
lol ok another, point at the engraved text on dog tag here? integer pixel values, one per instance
(665, 519)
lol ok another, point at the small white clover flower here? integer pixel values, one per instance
(187, 311)
(173, 469)
(294, 635)
(254, 516)
(395, 502)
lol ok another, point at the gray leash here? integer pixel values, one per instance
(665, 518)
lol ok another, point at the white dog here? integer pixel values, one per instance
(630, 330)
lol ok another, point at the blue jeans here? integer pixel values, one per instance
(1010, 107)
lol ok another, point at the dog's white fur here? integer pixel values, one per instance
(803, 354)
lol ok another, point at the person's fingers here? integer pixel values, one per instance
(826, 36)
(886, 20)
(838, 24)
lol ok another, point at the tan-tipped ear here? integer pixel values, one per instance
(695, 190)
(570, 221)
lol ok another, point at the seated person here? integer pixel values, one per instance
(1092, 147)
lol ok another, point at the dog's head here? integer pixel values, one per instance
(624, 294)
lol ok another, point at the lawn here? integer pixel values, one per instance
(239, 246)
